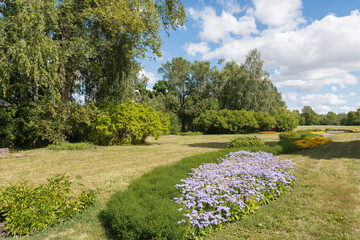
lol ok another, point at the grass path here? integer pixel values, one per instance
(325, 204)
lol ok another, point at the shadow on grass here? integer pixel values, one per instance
(217, 145)
(334, 150)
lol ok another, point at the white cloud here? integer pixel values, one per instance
(149, 75)
(327, 99)
(308, 58)
(352, 94)
(193, 49)
(230, 6)
(322, 109)
(348, 109)
(279, 13)
(334, 88)
(292, 96)
(215, 28)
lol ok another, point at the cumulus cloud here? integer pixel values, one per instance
(334, 88)
(324, 52)
(322, 103)
(285, 14)
(215, 28)
(149, 75)
(193, 49)
(322, 99)
(348, 109)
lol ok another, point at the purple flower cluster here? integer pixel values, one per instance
(328, 134)
(215, 193)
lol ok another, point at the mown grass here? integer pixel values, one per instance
(323, 205)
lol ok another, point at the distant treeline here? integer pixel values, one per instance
(309, 117)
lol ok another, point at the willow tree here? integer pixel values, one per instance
(46, 46)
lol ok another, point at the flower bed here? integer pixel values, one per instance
(313, 142)
(325, 134)
(263, 132)
(218, 193)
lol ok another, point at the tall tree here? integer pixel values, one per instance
(53, 43)
(247, 86)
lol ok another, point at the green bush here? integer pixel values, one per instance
(285, 121)
(246, 142)
(226, 121)
(190, 133)
(81, 119)
(128, 123)
(265, 121)
(27, 209)
(71, 146)
(289, 135)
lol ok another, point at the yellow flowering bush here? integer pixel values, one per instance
(313, 142)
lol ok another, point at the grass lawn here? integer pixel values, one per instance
(325, 203)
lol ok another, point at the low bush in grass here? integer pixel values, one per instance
(245, 142)
(146, 210)
(190, 133)
(215, 194)
(312, 142)
(27, 209)
(71, 146)
(289, 135)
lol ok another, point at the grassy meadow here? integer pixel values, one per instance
(325, 204)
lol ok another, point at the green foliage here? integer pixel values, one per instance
(226, 121)
(175, 126)
(28, 209)
(245, 142)
(190, 133)
(128, 123)
(71, 146)
(7, 126)
(285, 121)
(265, 121)
(289, 135)
(310, 116)
(48, 119)
(247, 86)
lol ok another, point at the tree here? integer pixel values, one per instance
(310, 116)
(246, 86)
(52, 44)
(330, 119)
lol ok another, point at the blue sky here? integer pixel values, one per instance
(310, 47)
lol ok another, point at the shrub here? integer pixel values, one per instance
(285, 122)
(128, 123)
(71, 146)
(28, 209)
(190, 133)
(81, 120)
(215, 194)
(312, 142)
(226, 121)
(289, 135)
(265, 121)
(246, 142)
